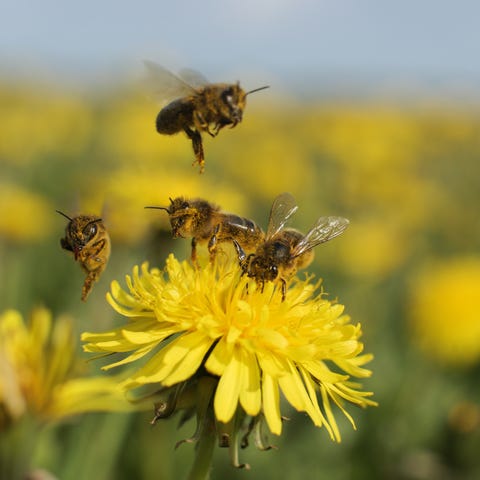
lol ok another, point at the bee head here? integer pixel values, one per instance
(263, 269)
(234, 100)
(177, 205)
(187, 216)
(270, 273)
(182, 224)
(178, 211)
(80, 231)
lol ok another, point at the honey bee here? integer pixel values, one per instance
(205, 222)
(87, 238)
(198, 106)
(286, 250)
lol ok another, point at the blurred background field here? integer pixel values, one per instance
(404, 168)
(408, 268)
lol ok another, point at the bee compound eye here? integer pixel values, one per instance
(273, 271)
(228, 95)
(90, 230)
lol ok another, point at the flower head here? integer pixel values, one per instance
(27, 215)
(444, 311)
(211, 326)
(38, 372)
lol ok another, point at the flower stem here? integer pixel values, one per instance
(17, 445)
(207, 431)
(203, 453)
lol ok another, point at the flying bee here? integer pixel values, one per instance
(205, 222)
(286, 250)
(196, 106)
(87, 238)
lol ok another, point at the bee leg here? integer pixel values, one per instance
(193, 255)
(98, 246)
(201, 124)
(213, 134)
(240, 252)
(284, 289)
(243, 259)
(196, 138)
(216, 129)
(65, 245)
(212, 243)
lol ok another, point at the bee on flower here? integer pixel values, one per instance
(225, 348)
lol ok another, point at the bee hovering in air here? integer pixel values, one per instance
(196, 106)
(285, 250)
(87, 238)
(205, 222)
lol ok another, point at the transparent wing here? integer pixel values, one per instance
(165, 85)
(283, 207)
(325, 229)
(192, 77)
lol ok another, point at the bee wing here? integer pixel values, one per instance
(283, 207)
(324, 230)
(164, 84)
(192, 77)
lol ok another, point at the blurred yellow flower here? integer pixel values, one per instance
(368, 137)
(283, 163)
(26, 216)
(36, 122)
(444, 313)
(252, 345)
(130, 135)
(37, 372)
(371, 250)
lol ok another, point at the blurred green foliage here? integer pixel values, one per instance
(408, 178)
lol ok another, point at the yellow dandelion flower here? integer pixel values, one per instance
(444, 317)
(374, 249)
(55, 121)
(26, 215)
(212, 330)
(37, 372)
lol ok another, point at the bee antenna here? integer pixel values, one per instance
(157, 208)
(257, 89)
(63, 214)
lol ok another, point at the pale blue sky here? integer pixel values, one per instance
(276, 38)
